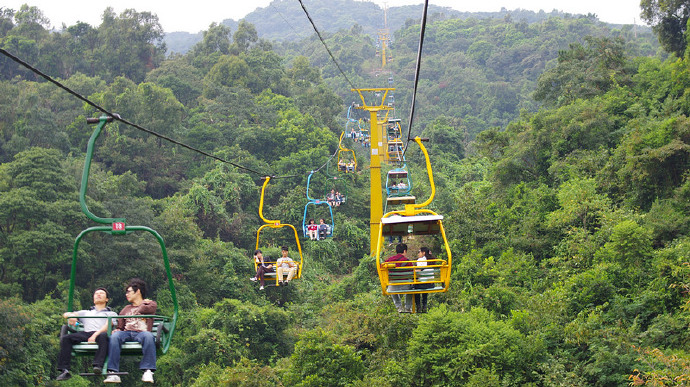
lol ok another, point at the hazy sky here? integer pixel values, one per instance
(194, 16)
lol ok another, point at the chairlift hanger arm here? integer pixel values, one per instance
(87, 168)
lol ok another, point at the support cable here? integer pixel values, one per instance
(326, 46)
(118, 118)
(416, 74)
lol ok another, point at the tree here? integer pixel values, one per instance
(669, 21)
(319, 361)
(216, 39)
(37, 209)
(132, 43)
(448, 348)
(245, 37)
(583, 72)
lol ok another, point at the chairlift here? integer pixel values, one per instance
(415, 219)
(164, 326)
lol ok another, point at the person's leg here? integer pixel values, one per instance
(425, 298)
(114, 348)
(99, 358)
(418, 302)
(148, 350)
(280, 274)
(291, 273)
(408, 303)
(66, 342)
(396, 302)
(260, 273)
(396, 297)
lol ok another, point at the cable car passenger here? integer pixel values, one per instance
(134, 329)
(423, 275)
(94, 331)
(262, 268)
(330, 198)
(286, 263)
(312, 230)
(324, 229)
(401, 250)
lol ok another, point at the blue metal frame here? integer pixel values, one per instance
(316, 202)
(397, 193)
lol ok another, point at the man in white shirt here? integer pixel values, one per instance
(284, 264)
(94, 332)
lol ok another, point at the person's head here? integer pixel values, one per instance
(284, 250)
(258, 253)
(401, 248)
(101, 296)
(424, 251)
(135, 290)
(322, 221)
(311, 221)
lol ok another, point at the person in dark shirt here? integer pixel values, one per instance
(400, 260)
(134, 329)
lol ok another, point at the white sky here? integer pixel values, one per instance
(197, 15)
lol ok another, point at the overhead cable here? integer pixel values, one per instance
(118, 118)
(326, 46)
(416, 73)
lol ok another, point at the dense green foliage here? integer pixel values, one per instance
(561, 153)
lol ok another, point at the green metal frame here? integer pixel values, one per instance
(117, 226)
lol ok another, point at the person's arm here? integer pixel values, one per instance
(93, 337)
(148, 307)
(72, 317)
(121, 321)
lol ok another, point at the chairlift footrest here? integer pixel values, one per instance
(109, 373)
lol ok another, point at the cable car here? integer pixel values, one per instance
(347, 160)
(352, 126)
(394, 128)
(336, 183)
(164, 326)
(415, 219)
(315, 203)
(394, 152)
(399, 187)
(276, 224)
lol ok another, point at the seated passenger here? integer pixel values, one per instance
(400, 260)
(330, 198)
(351, 166)
(312, 230)
(261, 268)
(286, 263)
(134, 329)
(324, 229)
(342, 166)
(339, 198)
(94, 332)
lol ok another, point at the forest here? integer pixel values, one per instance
(560, 148)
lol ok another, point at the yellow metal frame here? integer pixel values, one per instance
(375, 190)
(277, 224)
(409, 211)
(342, 149)
(394, 155)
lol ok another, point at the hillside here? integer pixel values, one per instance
(284, 21)
(561, 160)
